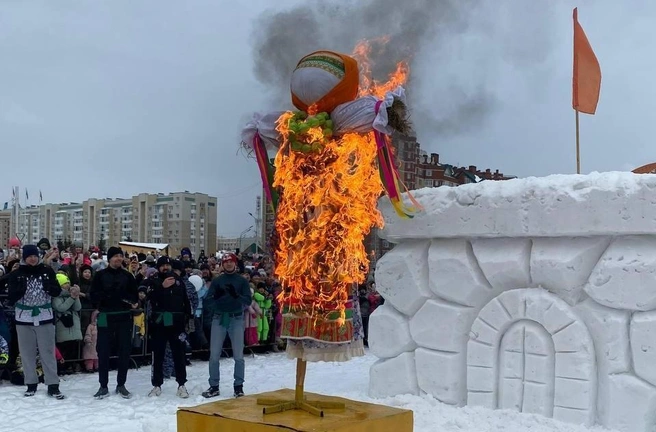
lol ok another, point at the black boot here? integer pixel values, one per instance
(239, 391)
(53, 391)
(121, 390)
(102, 393)
(31, 390)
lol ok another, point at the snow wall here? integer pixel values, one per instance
(536, 295)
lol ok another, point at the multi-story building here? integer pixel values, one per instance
(247, 244)
(180, 219)
(5, 227)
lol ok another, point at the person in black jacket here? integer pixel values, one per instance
(114, 292)
(170, 311)
(30, 291)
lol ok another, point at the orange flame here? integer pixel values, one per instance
(327, 207)
(369, 86)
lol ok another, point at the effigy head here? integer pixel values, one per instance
(323, 80)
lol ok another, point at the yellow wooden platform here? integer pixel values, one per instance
(245, 415)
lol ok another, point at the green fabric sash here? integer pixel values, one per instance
(101, 321)
(166, 318)
(36, 310)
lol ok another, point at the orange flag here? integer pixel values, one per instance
(586, 81)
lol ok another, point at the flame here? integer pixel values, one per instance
(328, 205)
(368, 85)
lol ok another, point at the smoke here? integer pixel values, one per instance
(449, 90)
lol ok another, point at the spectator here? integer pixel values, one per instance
(90, 340)
(114, 290)
(224, 305)
(170, 309)
(67, 311)
(31, 289)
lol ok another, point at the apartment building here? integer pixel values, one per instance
(5, 227)
(180, 219)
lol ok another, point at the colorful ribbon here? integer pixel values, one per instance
(267, 171)
(389, 176)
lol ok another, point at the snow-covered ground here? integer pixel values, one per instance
(80, 412)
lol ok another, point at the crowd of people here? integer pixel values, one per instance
(70, 311)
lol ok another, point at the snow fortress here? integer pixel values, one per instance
(536, 295)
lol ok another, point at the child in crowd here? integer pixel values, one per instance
(89, 352)
(252, 317)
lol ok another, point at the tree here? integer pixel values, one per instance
(102, 243)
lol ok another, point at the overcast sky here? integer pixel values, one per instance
(112, 98)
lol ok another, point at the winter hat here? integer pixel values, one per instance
(113, 251)
(163, 260)
(142, 288)
(63, 279)
(177, 265)
(196, 281)
(29, 250)
(230, 257)
(150, 271)
(85, 267)
(12, 263)
(185, 251)
(44, 244)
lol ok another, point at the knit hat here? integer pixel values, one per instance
(84, 267)
(163, 260)
(44, 244)
(63, 279)
(177, 265)
(29, 250)
(113, 251)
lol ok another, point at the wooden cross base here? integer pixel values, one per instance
(300, 402)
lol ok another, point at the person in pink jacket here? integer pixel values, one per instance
(90, 338)
(251, 317)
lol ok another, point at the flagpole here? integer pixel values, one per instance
(578, 145)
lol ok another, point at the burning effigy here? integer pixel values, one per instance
(323, 168)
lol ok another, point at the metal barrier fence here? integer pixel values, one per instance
(144, 351)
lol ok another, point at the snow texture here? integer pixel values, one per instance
(539, 296)
(395, 376)
(553, 206)
(454, 273)
(392, 335)
(80, 412)
(404, 266)
(625, 277)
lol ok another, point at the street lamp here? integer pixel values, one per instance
(257, 230)
(241, 236)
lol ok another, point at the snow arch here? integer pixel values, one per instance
(529, 351)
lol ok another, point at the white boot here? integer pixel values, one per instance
(156, 391)
(182, 392)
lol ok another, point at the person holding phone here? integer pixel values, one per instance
(170, 310)
(115, 293)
